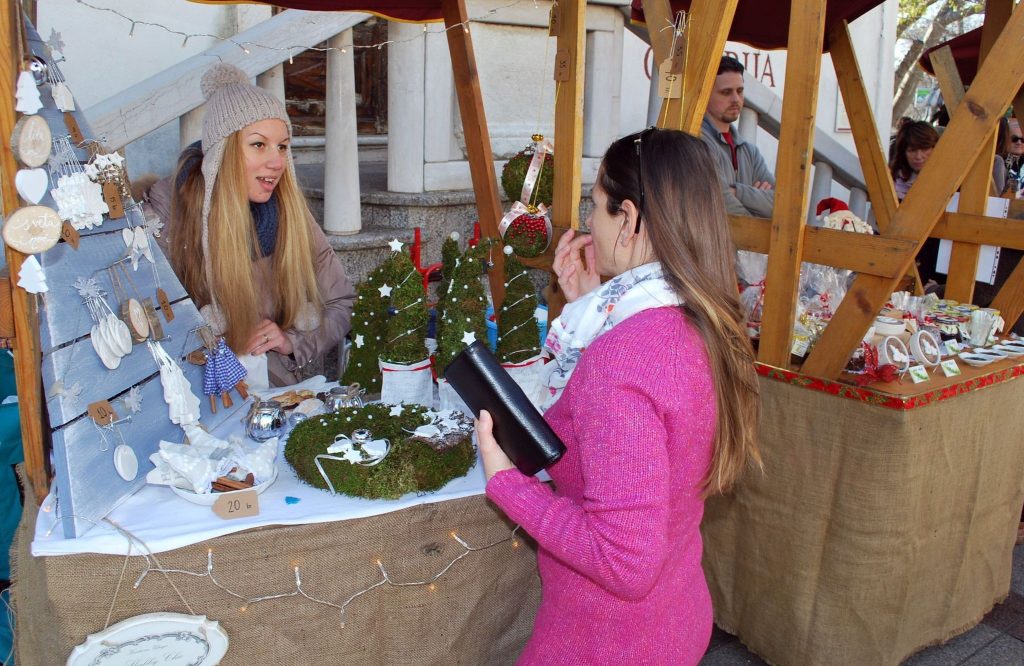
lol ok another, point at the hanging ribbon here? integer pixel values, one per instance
(541, 149)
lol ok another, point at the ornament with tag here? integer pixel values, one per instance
(165, 305)
(102, 412)
(554, 20)
(70, 235)
(950, 368)
(73, 129)
(112, 197)
(237, 504)
(563, 64)
(670, 84)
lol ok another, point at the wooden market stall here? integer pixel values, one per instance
(884, 520)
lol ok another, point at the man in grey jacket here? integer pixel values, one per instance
(747, 182)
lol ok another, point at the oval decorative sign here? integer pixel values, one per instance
(154, 638)
(31, 141)
(32, 229)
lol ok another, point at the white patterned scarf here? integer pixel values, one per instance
(583, 320)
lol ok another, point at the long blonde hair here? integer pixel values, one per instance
(234, 246)
(682, 209)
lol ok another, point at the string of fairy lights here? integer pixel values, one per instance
(153, 566)
(245, 46)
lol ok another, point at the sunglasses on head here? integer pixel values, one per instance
(1017, 139)
(638, 145)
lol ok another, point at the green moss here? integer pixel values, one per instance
(410, 467)
(514, 173)
(517, 325)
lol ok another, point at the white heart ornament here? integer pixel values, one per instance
(32, 184)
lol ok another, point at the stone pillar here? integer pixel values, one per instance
(748, 125)
(341, 158)
(272, 81)
(439, 142)
(601, 95)
(247, 16)
(821, 186)
(190, 126)
(653, 98)
(859, 202)
(406, 100)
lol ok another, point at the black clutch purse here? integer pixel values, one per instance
(521, 431)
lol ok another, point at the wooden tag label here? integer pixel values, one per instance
(70, 235)
(31, 141)
(563, 65)
(165, 305)
(554, 21)
(102, 412)
(239, 504)
(670, 84)
(32, 229)
(73, 129)
(112, 196)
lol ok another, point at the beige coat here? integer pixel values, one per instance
(336, 290)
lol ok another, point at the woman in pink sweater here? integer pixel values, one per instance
(652, 389)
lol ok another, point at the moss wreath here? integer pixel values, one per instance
(411, 467)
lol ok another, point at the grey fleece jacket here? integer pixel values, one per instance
(748, 200)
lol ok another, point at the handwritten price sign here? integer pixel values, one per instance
(238, 504)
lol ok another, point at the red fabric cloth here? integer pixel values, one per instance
(765, 23)
(619, 538)
(402, 10)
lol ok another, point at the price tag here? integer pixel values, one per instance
(554, 20)
(950, 368)
(112, 196)
(165, 305)
(238, 504)
(70, 235)
(918, 373)
(670, 84)
(102, 412)
(76, 132)
(952, 347)
(678, 55)
(563, 65)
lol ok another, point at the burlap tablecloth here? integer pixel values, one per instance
(873, 532)
(481, 611)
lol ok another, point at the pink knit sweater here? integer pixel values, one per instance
(620, 546)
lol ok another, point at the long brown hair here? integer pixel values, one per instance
(234, 246)
(670, 178)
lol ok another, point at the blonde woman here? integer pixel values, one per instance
(653, 390)
(241, 238)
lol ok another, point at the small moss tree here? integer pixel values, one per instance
(517, 326)
(407, 327)
(461, 311)
(369, 328)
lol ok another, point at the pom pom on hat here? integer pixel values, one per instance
(219, 76)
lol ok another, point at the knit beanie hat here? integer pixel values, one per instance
(232, 103)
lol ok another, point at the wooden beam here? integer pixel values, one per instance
(997, 81)
(862, 253)
(478, 140)
(565, 212)
(658, 15)
(26, 318)
(980, 230)
(709, 24)
(963, 260)
(792, 175)
(948, 76)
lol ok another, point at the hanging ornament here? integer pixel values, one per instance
(32, 184)
(55, 44)
(31, 277)
(221, 373)
(79, 200)
(31, 141)
(527, 229)
(27, 94)
(32, 229)
(528, 176)
(108, 170)
(183, 405)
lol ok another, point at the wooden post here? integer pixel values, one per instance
(26, 319)
(870, 151)
(478, 139)
(792, 172)
(710, 21)
(993, 87)
(963, 260)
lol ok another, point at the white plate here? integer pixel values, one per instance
(126, 462)
(209, 498)
(975, 360)
(1013, 351)
(992, 353)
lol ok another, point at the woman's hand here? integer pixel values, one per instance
(574, 277)
(494, 458)
(268, 336)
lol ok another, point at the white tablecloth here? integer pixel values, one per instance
(162, 521)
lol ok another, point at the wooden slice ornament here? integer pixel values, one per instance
(156, 329)
(32, 229)
(31, 141)
(134, 314)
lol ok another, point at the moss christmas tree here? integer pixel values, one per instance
(517, 326)
(369, 328)
(407, 327)
(461, 311)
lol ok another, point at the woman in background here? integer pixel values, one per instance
(914, 144)
(653, 391)
(241, 238)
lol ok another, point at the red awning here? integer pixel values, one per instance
(764, 24)
(965, 49)
(401, 10)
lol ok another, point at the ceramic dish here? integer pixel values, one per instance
(975, 360)
(208, 499)
(991, 352)
(1013, 351)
